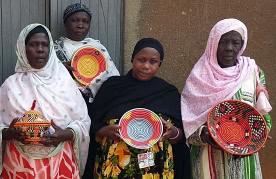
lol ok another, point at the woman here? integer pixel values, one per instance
(41, 76)
(77, 18)
(139, 89)
(222, 73)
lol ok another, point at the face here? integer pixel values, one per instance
(145, 64)
(77, 26)
(228, 48)
(37, 50)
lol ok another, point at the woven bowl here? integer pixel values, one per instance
(33, 125)
(140, 128)
(237, 127)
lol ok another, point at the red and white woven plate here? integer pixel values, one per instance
(140, 128)
(89, 62)
(237, 127)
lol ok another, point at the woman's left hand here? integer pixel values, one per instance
(59, 136)
(170, 130)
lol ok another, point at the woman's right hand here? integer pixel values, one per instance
(206, 138)
(14, 133)
(111, 131)
(68, 66)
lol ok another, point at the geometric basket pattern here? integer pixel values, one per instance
(33, 125)
(140, 128)
(237, 127)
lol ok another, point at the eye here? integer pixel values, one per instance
(141, 60)
(73, 20)
(85, 21)
(45, 44)
(31, 44)
(222, 42)
(153, 62)
(236, 43)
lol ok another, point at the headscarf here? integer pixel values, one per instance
(208, 83)
(38, 29)
(148, 42)
(74, 8)
(57, 96)
(117, 95)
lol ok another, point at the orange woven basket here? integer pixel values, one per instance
(237, 127)
(33, 125)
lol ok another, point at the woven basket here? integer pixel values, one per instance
(237, 127)
(33, 125)
(140, 128)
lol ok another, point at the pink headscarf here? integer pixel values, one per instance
(208, 83)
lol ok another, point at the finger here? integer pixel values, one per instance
(50, 136)
(68, 66)
(117, 137)
(115, 127)
(56, 127)
(163, 121)
(164, 137)
(13, 122)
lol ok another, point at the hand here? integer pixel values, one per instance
(59, 136)
(14, 133)
(111, 131)
(170, 130)
(205, 137)
(68, 66)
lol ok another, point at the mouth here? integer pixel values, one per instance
(40, 60)
(143, 74)
(228, 57)
(79, 33)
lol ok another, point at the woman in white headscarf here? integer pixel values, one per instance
(41, 76)
(222, 73)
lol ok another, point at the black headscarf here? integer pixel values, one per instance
(74, 8)
(121, 93)
(37, 29)
(148, 42)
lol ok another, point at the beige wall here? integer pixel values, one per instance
(183, 27)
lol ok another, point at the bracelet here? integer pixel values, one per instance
(74, 135)
(171, 138)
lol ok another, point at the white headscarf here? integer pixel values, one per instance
(56, 94)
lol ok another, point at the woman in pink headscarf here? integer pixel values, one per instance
(222, 73)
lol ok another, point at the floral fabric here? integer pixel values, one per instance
(118, 160)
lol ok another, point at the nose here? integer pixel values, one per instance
(80, 25)
(146, 65)
(40, 49)
(229, 47)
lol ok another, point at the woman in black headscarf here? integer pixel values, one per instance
(139, 88)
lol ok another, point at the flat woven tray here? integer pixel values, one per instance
(89, 62)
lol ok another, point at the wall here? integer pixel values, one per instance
(14, 16)
(183, 27)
